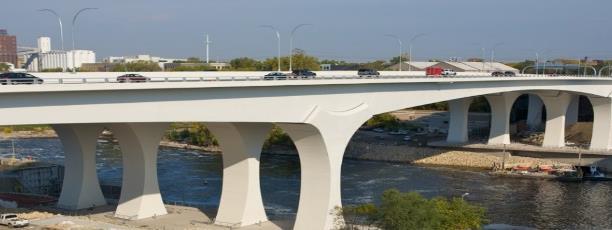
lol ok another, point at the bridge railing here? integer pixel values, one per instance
(98, 80)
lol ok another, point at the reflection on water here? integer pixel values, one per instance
(195, 178)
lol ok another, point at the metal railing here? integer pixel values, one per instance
(98, 80)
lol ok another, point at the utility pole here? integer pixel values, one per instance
(207, 49)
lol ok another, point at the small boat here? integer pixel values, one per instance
(594, 173)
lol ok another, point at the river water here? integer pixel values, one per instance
(195, 178)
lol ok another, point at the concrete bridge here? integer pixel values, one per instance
(320, 115)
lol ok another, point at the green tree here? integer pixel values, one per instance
(404, 211)
(139, 66)
(300, 61)
(4, 67)
(377, 65)
(396, 59)
(194, 68)
(245, 64)
(384, 120)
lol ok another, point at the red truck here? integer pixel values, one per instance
(434, 71)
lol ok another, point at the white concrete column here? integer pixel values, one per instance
(501, 105)
(81, 188)
(571, 117)
(241, 202)
(602, 123)
(556, 107)
(139, 142)
(458, 123)
(321, 144)
(534, 112)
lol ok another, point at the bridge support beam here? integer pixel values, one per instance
(140, 197)
(458, 124)
(602, 123)
(534, 112)
(501, 105)
(321, 143)
(571, 117)
(81, 188)
(556, 108)
(241, 202)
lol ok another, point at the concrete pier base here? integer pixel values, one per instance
(602, 123)
(140, 197)
(241, 143)
(501, 105)
(458, 124)
(81, 188)
(556, 108)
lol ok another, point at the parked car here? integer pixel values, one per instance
(303, 73)
(368, 73)
(12, 221)
(448, 72)
(19, 78)
(275, 76)
(509, 74)
(132, 77)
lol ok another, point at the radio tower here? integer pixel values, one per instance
(207, 49)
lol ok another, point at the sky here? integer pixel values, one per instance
(351, 30)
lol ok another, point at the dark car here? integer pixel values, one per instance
(19, 78)
(509, 74)
(303, 73)
(132, 78)
(497, 74)
(367, 73)
(275, 76)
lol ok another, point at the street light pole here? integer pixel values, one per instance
(73, 29)
(399, 41)
(279, 43)
(493, 53)
(410, 49)
(291, 45)
(59, 19)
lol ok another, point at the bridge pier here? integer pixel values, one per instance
(534, 112)
(602, 123)
(458, 124)
(556, 108)
(241, 203)
(321, 143)
(571, 117)
(501, 106)
(140, 197)
(80, 188)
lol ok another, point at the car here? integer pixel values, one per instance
(497, 74)
(275, 76)
(303, 73)
(448, 72)
(11, 220)
(12, 78)
(132, 77)
(509, 74)
(407, 138)
(368, 73)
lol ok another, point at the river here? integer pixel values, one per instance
(195, 178)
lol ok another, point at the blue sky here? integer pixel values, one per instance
(342, 29)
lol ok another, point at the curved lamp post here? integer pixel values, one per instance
(59, 19)
(399, 42)
(410, 48)
(605, 67)
(291, 44)
(279, 43)
(76, 15)
(493, 52)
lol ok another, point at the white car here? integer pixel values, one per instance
(11, 220)
(448, 72)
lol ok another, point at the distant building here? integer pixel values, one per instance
(44, 57)
(143, 57)
(8, 47)
(475, 66)
(414, 66)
